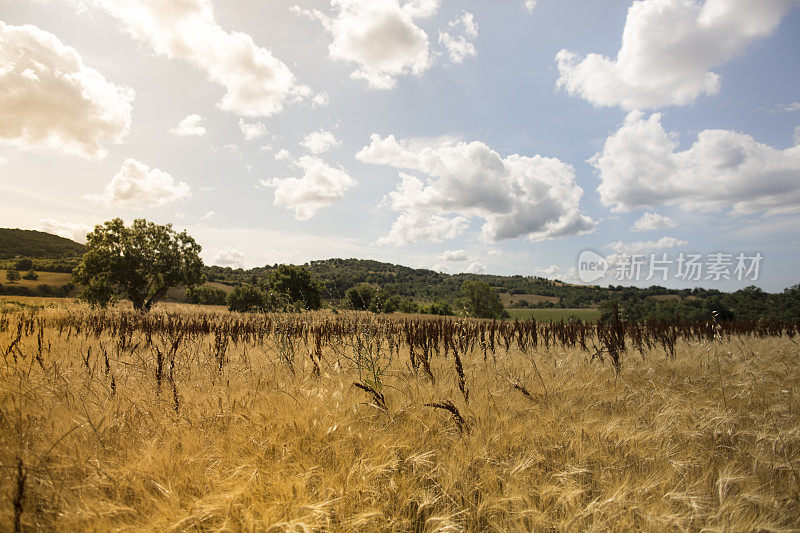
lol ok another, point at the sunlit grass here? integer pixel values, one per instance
(707, 440)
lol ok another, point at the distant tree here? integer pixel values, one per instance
(789, 303)
(482, 300)
(297, 285)
(12, 275)
(44, 290)
(142, 261)
(31, 275)
(360, 297)
(246, 299)
(24, 263)
(440, 308)
(207, 296)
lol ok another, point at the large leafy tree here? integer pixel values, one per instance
(141, 261)
(482, 301)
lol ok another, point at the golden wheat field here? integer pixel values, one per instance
(199, 420)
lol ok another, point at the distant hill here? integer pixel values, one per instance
(37, 245)
(338, 275)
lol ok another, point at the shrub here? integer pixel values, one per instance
(247, 299)
(44, 290)
(440, 308)
(360, 297)
(207, 296)
(23, 263)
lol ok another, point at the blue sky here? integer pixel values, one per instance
(493, 150)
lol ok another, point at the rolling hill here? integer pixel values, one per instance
(56, 254)
(37, 245)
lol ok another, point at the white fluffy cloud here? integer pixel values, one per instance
(321, 99)
(551, 272)
(454, 256)
(653, 221)
(229, 258)
(138, 186)
(516, 196)
(641, 167)
(476, 268)
(191, 126)
(530, 5)
(664, 243)
(320, 186)
(458, 40)
(50, 99)
(69, 230)
(416, 226)
(319, 142)
(256, 82)
(379, 36)
(252, 130)
(668, 50)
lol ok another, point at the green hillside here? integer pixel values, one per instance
(525, 296)
(36, 245)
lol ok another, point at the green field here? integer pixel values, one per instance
(54, 279)
(554, 315)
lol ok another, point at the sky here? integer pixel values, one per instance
(503, 137)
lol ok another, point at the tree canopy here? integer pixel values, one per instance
(142, 262)
(12, 275)
(297, 285)
(482, 300)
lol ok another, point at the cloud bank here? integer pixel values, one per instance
(668, 50)
(516, 196)
(640, 166)
(50, 99)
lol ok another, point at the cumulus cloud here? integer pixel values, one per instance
(459, 39)
(476, 268)
(192, 125)
(551, 272)
(320, 186)
(653, 221)
(319, 142)
(252, 130)
(668, 50)
(640, 166)
(516, 196)
(379, 36)
(321, 99)
(69, 230)
(415, 226)
(454, 256)
(256, 82)
(229, 258)
(50, 99)
(530, 5)
(664, 243)
(138, 186)
(554, 272)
